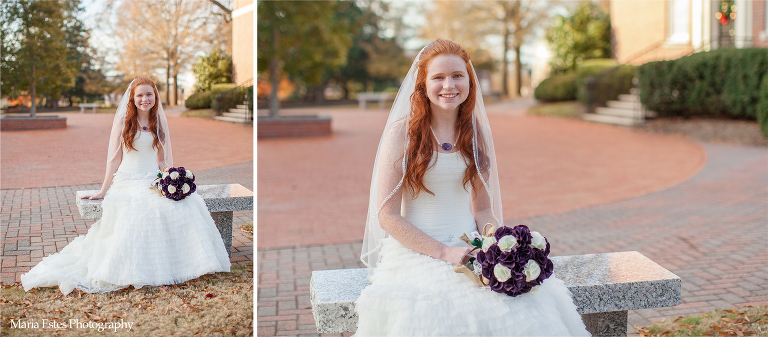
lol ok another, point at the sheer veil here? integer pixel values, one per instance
(118, 125)
(390, 164)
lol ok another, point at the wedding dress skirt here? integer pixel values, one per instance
(141, 239)
(412, 294)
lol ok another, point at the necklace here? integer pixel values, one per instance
(142, 126)
(445, 146)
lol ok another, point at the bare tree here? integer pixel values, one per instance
(163, 37)
(517, 20)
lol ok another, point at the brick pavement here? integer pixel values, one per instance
(42, 170)
(30, 157)
(315, 190)
(710, 230)
(37, 222)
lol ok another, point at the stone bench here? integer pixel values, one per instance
(604, 287)
(221, 201)
(381, 97)
(93, 107)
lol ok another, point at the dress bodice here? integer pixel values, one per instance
(143, 160)
(446, 215)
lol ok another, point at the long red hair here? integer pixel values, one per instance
(132, 116)
(421, 142)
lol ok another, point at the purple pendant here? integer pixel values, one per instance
(144, 128)
(447, 146)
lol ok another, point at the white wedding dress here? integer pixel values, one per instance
(412, 294)
(142, 238)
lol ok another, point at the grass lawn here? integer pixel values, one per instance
(218, 304)
(557, 109)
(198, 113)
(747, 321)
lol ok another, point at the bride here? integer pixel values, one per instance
(142, 238)
(434, 179)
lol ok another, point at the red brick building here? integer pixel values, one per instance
(651, 30)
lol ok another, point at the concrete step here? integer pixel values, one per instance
(608, 119)
(240, 115)
(634, 91)
(629, 98)
(242, 106)
(624, 104)
(628, 113)
(238, 110)
(232, 120)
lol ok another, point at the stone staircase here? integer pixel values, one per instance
(627, 111)
(238, 115)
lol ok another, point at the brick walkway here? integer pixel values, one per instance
(315, 190)
(709, 229)
(39, 215)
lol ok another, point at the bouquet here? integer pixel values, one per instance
(511, 261)
(175, 183)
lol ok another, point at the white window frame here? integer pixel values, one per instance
(678, 21)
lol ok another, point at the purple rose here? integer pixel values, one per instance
(502, 232)
(523, 234)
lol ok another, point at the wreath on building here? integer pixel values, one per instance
(726, 12)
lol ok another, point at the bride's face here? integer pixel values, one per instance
(447, 82)
(144, 97)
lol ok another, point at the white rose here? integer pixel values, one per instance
(487, 242)
(507, 243)
(174, 174)
(538, 241)
(185, 188)
(189, 174)
(531, 270)
(502, 273)
(165, 174)
(171, 189)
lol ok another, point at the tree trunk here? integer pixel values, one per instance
(175, 89)
(33, 108)
(505, 62)
(168, 83)
(320, 93)
(274, 102)
(518, 70)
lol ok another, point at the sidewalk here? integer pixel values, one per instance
(706, 222)
(42, 170)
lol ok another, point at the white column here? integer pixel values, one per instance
(743, 23)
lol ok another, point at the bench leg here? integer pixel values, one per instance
(223, 222)
(612, 323)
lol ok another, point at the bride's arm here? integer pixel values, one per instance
(112, 167)
(389, 176)
(482, 209)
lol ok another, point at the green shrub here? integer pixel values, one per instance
(218, 89)
(199, 100)
(762, 107)
(723, 82)
(557, 88)
(608, 86)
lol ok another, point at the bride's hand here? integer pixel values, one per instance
(99, 195)
(454, 255)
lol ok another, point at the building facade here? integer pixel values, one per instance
(652, 30)
(242, 41)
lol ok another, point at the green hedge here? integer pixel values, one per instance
(607, 87)
(218, 89)
(762, 107)
(724, 82)
(557, 88)
(199, 100)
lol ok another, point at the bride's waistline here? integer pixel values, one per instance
(135, 176)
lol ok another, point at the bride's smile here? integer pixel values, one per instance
(447, 82)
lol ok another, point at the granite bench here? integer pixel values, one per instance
(221, 201)
(604, 287)
(381, 97)
(93, 107)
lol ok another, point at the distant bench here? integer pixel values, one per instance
(93, 107)
(221, 201)
(604, 287)
(381, 97)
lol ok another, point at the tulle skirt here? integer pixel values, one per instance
(412, 294)
(142, 239)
